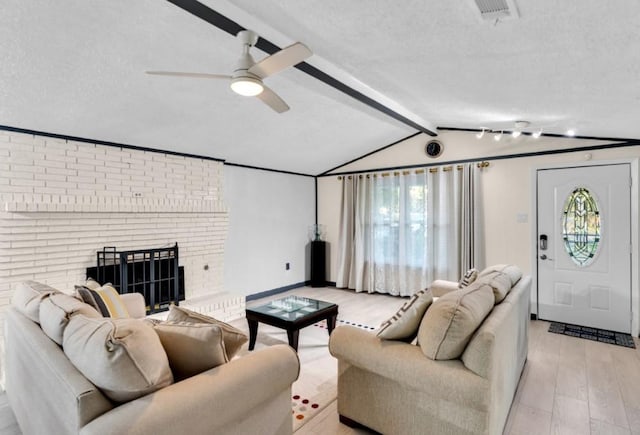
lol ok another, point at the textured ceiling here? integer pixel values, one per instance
(77, 68)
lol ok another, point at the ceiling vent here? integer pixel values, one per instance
(497, 10)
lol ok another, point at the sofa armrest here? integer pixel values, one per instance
(211, 400)
(405, 364)
(440, 287)
(136, 306)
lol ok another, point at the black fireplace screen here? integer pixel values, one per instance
(154, 273)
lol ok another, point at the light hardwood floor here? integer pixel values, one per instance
(569, 385)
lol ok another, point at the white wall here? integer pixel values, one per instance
(63, 200)
(506, 186)
(269, 217)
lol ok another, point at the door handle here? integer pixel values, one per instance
(544, 257)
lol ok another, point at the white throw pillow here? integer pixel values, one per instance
(468, 278)
(403, 325)
(502, 278)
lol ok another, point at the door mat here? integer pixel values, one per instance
(594, 334)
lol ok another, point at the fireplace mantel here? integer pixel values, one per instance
(26, 203)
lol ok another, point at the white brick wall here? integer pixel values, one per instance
(60, 201)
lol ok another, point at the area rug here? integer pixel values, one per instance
(316, 387)
(594, 334)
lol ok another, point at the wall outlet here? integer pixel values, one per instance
(287, 266)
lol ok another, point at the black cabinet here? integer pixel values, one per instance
(318, 263)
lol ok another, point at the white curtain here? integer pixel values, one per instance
(401, 231)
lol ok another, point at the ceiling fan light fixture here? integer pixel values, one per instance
(247, 86)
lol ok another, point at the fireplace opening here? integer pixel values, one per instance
(154, 273)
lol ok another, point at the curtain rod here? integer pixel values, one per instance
(480, 165)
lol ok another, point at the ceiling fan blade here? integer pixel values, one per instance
(189, 74)
(288, 56)
(271, 99)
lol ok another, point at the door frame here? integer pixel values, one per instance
(635, 231)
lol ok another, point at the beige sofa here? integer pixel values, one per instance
(392, 387)
(50, 396)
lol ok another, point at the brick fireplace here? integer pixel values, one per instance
(61, 201)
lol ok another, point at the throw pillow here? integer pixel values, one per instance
(57, 310)
(122, 357)
(403, 325)
(513, 272)
(233, 337)
(191, 348)
(28, 296)
(502, 278)
(86, 295)
(470, 276)
(92, 284)
(450, 322)
(105, 299)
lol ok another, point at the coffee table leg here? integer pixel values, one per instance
(293, 338)
(331, 323)
(253, 333)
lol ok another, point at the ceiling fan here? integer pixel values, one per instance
(247, 78)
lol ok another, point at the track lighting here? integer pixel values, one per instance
(536, 134)
(519, 126)
(571, 132)
(480, 135)
(498, 136)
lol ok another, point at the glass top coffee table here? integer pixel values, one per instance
(291, 313)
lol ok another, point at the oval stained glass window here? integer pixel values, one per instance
(581, 226)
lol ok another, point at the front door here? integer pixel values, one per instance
(584, 246)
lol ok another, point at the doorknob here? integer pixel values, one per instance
(544, 257)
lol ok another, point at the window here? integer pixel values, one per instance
(581, 226)
(400, 222)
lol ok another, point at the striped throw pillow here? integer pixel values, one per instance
(403, 325)
(470, 276)
(105, 299)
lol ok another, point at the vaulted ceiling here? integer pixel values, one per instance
(77, 68)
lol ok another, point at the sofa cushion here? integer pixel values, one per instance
(403, 325)
(233, 337)
(28, 296)
(450, 322)
(191, 347)
(105, 299)
(501, 277)
(511, 270)
(122, 357)
(470, 276)
(57, 310)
